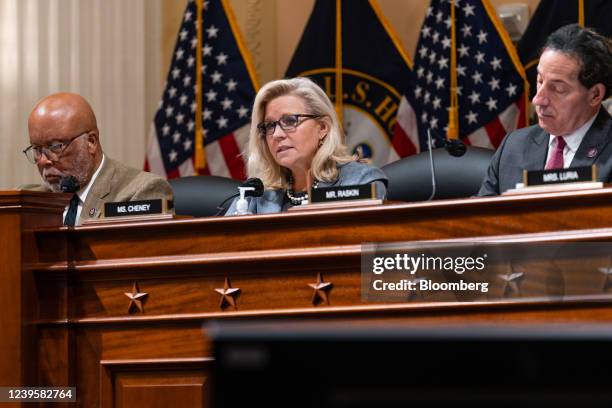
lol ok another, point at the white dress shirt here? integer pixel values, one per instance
(572, 142)
(82, 193)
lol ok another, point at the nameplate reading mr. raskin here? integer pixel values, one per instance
(122, 209)
(569, 175)
(338, 193)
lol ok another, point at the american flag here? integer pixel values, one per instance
(491, 85)
(228, 88)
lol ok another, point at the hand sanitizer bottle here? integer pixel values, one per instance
(242, 205)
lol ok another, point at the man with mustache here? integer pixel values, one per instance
(573, 130)
(65, 142)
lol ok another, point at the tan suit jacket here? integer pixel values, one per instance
(118, 182)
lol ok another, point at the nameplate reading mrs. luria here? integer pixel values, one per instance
(557, 176)
(131, 208)
(338, 193)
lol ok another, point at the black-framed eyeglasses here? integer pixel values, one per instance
(286, 122)
(52, 151)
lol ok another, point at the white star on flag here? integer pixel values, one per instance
(487, 109)
(222, 68)
(212, 31)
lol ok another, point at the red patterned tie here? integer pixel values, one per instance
(556, 158)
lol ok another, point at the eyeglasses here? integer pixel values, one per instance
(286, 122)
(52, 151)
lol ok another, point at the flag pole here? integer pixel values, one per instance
(453, 111)
(200, 155)
(510, 48)
(339, 91)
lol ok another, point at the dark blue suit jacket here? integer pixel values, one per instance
(526, 149)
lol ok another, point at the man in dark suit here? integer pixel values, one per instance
(65, 142)
(574, 78)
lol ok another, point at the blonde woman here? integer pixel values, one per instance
(296, 141)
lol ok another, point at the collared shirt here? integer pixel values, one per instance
(82, 193)
(572, 141)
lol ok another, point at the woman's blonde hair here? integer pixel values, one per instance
(261, 163)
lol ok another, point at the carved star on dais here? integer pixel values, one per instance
(320, 290)
(417, 292)
(607, 278)
(136, 298)
(228, 294)
(512, 283)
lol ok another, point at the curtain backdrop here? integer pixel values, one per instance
(108, 51)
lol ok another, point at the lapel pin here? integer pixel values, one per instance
(592, 152)
(92, 212)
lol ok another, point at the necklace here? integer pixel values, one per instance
(297, 198)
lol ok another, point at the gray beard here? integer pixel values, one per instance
(83, 167)
(55, 188)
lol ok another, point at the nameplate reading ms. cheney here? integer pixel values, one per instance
(122, 209)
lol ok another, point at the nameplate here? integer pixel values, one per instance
(341, 193)
(133, 208)
(557, 176)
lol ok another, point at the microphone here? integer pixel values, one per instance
(256, 191)
(258, 186)
(69, 184)
(455, 147)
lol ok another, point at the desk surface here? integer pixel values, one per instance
(67, 289)
(463, 218)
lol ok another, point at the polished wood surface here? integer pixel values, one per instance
(71, 321)
(20, 213)
(393, 222)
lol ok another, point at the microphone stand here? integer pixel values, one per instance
(454, 147)
(431, 166)
(220, 207)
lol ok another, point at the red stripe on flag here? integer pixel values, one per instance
(146, 165)
(401, 143)
(466, 141)
(173, 174)
(495, 131)
(231, 153)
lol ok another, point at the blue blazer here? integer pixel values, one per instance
(353, 173)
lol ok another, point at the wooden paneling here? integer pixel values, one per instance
(55, 347)
(155, 383)
(20, 212)
(11, 300)
(72, 285)
(159, 390)
(229, 236)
